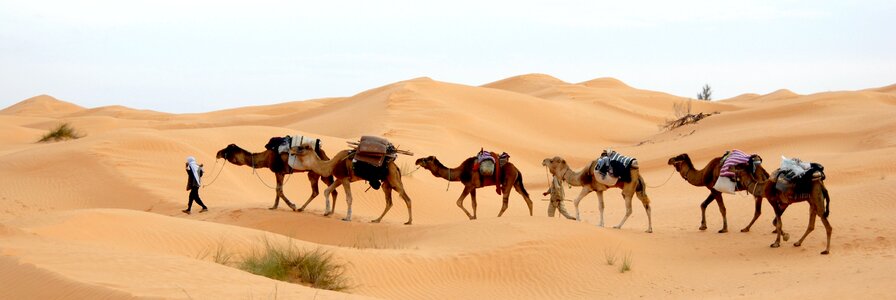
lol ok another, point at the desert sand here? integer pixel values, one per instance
(99, 217)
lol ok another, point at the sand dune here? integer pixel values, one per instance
(99, 217)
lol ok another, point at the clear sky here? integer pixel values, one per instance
(194, 56)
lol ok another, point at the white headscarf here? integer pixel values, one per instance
(194, 167)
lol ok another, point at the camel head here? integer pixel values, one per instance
(428, 162)
(306, 155)
(556, 164)
(750, 172)
(231, 152)
(679, 161)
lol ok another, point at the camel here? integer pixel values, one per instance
(707, 177)
(240, 157)
(341, 167)
(585, 178)
(511, 176)
(818, 198)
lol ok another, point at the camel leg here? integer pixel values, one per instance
(347, 185)
(646, 202)
(722, 210)
(778, 225)
(809, 228)
(387, 189)
(600, 207)
(506, 198)
(313, 178)
(277, 191)
(519, 189)
(280, 192)
(756, 212)
(703, 210)
(473, 198)
(582, 194)
(828, 229)
(460, 201)
(407, 200)
(332, 186)
(628, 210)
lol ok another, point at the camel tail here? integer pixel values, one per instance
(827, 199)
(519, 180)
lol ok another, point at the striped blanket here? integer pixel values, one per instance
(735, 157)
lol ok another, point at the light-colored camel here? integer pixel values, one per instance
(707, 177)
(341, 168)
(240, 157)
(511, 176)
(585, 178)
(817, 196)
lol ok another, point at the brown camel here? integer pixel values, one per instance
(818, 198)
(240, 157)
(510, 176)
(341, 166)
(707, 177)
(585, 179)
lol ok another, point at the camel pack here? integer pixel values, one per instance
(725, 183)
(797, 175)
(282, 145)
(371, 159)
(485, 162)
(613, 167)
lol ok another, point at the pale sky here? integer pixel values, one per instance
(195, 56)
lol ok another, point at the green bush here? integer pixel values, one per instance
(60, 133)
(287, 263)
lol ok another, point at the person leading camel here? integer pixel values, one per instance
(194, 175)
(557, 198)
(589, 182)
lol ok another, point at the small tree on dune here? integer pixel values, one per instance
(706, 94)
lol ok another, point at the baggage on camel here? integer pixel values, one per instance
(796, 176)
(371, 159)
(485, 165)
(725, 183)
(613, 167)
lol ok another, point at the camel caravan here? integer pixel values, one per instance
(372, 159)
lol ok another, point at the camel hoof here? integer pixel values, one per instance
(617, 227)
(703, 227)
(300, 210)
(797, 244)
(375, 221)
(407, 223)
(775, 245)
(786, 237)
(825, 252)
(745, 230)
(272, 208)
(723, 231)
(327, 214)
(347, 219)
(649, 231)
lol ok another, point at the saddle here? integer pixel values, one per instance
(613, 164)
(375, 151)
(371, 159)
(488, 164)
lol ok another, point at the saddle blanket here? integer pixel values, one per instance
(735, 157)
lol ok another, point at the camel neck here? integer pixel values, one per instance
(571, 177)
(447, 173)
(693, 176)
(325, 167)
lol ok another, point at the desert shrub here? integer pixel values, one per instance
(62, 132)
(315, 268)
